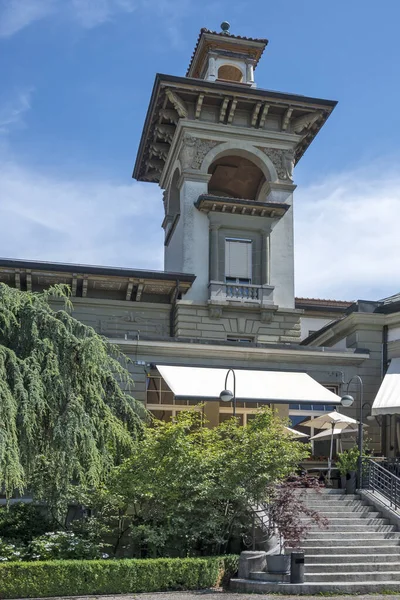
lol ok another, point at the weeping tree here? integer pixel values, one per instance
(66, 414)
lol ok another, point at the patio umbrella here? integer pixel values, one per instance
(326, 433)
(295, 434)
(331, 421)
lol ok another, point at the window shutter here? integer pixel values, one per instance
(238, 261)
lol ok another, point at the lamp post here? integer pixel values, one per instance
(228, 396)
(348, 400)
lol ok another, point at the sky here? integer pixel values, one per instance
(76, 79)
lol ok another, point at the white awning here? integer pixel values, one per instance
(387, 401)
(251, 386)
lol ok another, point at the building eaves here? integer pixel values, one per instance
(322, 304)
(252, 94)
(95, 270)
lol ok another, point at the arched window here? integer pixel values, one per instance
(235, 177)
(230, 73)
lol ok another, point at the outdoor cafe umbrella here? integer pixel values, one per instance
(294, 433)
(326, 433)
(332, 421)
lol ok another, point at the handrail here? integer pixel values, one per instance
(382, 481)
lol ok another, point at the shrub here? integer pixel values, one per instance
(80, 577)
(11, 552)
(63, 545)
(21, 522)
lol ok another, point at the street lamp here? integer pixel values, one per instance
(348, 400)
(228, 396)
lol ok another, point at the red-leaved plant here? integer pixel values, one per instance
(285, 506)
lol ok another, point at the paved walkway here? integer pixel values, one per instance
(215, 595)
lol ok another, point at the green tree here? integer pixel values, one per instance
(188, 489)
(66, 415)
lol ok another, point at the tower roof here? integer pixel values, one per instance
(225, 41)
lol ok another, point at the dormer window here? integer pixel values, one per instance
(230, 73)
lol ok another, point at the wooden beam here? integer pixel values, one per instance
(85, 286)
(177, 103)
(232, 110)
(28, 280)
(254, 116)
(222, 111)
(129, 290)
(263, 116)
(199, 104)
(74, 284)
(139, 290)
(286, 118)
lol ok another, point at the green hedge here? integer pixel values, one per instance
(86, 577)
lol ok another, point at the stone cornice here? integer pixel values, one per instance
(347, 325)
(170, 349)
(300, 116)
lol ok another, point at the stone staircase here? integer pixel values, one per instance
(358, 554)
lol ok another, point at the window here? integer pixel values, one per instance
(240, 340)
(238, 261)
(230, 73)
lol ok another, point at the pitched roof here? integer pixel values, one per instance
(222, 34)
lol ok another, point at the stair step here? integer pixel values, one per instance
(336, 550)
(356, 527)
(345, 515)
(336, 505)
(344, 543)
(362, 587)
(352, 577)
(351, 567)
(354, 536)
(322, 491)
(346, 521)
(339, 559)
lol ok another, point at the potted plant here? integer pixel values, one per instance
(285, 507)
(347, 462)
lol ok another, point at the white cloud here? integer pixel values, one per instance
(12, 112)
(91, 13)
(347, 235)
(89, 221)
(17, 14)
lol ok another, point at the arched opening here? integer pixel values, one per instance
(235, 177)
(230, 73)
(174, 202)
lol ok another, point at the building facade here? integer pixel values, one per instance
(223, 151)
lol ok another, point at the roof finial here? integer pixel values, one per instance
(225, 27)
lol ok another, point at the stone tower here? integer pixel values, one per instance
(223, 150)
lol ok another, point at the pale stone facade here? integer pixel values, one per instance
(223, 151)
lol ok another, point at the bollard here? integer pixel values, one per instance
(297, 567)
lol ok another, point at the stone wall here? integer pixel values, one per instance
(219, 323)
(123, 320)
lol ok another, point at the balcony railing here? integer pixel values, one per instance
(221, 292)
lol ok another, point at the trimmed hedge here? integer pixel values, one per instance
(88, 577)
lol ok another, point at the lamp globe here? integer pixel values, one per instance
(226, 396)
(346, 400)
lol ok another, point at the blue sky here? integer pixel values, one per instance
(76, 80)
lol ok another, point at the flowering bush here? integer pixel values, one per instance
(62, 545)
(11, 552)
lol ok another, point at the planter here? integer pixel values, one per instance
(343, 482)
(351, 482)
(278, 563)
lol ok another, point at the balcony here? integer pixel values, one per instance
(241, 294)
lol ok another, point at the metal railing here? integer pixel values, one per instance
(382, 481)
